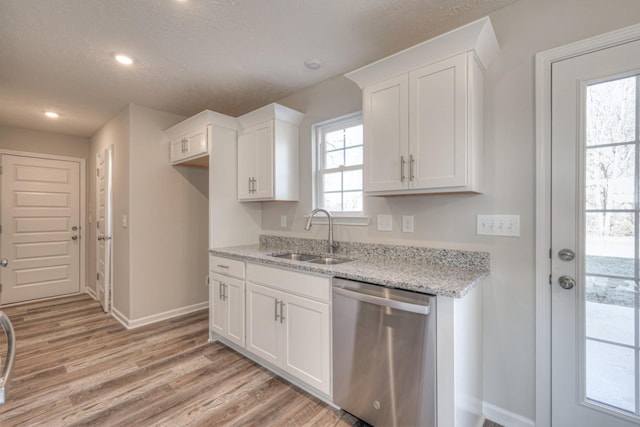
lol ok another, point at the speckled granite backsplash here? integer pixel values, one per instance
(474, 260)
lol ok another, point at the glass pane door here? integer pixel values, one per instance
(610, 300)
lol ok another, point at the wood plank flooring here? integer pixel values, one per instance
(76, 366)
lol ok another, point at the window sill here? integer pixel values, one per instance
(342, 219)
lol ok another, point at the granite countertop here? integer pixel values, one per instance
(439, 274)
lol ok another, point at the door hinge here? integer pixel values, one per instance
(97, 276)
(97, 224)
(0, 229)
(550, 280)
(550, 253)
(97, 172)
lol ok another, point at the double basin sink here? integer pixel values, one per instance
(313, 259)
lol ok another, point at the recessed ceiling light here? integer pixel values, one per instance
(123, 59)
(51, 114)
(313, 64)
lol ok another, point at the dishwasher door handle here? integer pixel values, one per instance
(384, 302)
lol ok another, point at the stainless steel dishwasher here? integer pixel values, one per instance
(384, 354)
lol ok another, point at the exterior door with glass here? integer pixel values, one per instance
(595, 220)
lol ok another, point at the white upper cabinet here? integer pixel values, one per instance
(268, 154)
(422, 111)
(190, 141)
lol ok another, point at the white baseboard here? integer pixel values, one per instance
(91, 293)
(504, 417)
(136, 323)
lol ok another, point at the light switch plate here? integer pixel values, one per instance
(385, 223)
(123, 220)
(498, 225)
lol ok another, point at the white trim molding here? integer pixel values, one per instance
(91, 292)
(543, 63)
(504, 417)
(143, 321)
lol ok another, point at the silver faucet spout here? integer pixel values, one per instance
(330, 244)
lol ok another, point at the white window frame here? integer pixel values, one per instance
(319, 129)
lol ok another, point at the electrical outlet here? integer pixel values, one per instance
(407, 224)
(283, 221)
(385, 223)
(498, 225)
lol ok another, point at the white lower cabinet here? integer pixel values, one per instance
(227, 304)
(291, 332)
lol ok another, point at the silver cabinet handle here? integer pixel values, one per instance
(222, 266)
(281, 311)
(4, 262)
(276, 309)
(11, 353)
(402, 168)
(220, 291)
(411, 163)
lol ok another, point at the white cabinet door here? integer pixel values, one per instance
(247, 163)
(177, 150)
(234, 297)
(218, 313)
(263, 322)
(438, 124)
(227, 306)
(307, 349)
(255, 162)
(197, 143)
(386, 123)
(264, 184)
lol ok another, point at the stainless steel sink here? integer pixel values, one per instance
(313, 259)
(295, 256)
(328, 260)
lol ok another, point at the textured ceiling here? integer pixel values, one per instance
(230, 56)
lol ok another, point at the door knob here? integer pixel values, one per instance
(4, 262)
(74, 237)
(100, 237)
(566, 282)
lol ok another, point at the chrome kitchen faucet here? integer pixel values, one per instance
(330, 244)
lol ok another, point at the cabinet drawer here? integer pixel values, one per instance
(307, 285)
(229, 267)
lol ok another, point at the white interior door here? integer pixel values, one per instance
(104, 224)
(40, 219)
(595, 209)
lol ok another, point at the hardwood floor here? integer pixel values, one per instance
(77, 366)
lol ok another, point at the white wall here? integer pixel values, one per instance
(160, 259)
(524, 28)
(168, 221)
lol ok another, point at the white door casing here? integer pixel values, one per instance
(42, 218)
(104, 228)
(560, 330)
